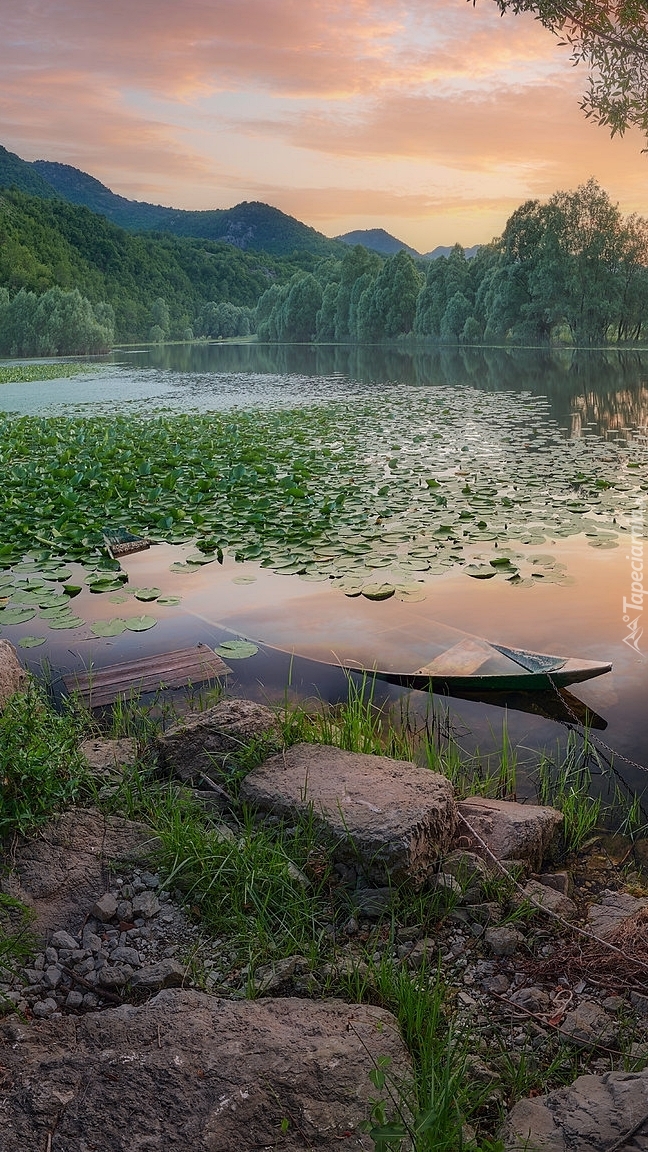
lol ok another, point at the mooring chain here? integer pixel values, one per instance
(595, 740)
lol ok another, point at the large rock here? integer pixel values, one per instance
(13, 677)
(614, 907)
(107, 756)
(60, 872)
(511, 831)
(202, 739)
(589, 1116)
(393, 816)
(187, 1071)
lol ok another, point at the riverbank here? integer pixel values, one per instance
(163, 879)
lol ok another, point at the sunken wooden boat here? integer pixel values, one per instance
(425, 655)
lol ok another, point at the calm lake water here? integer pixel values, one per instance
(584, 403)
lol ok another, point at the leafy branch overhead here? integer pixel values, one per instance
(611, 39)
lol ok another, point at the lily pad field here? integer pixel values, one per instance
(375, 488)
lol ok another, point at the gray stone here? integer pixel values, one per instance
(444, 882)
(511, 831)
(372, 903)
(44, 1008)
(64, 940)
(125, 955)
(146, 904)
(603, 918)
(489, 913)
(107, 755)
(550, 899)
(533, 999)
(13, 677)
(503, 941)
(393, 816)
(74, 999)
(166, 973)
(202, 738)
(424, 952)
(90, 1000)
(589, 1024)
(115, 977)
(187, 1070)
(59, 871)
(561, 881)
(638, 1001)
(270, 978)
(125, 910)
(616, 1003)
(85, 966)
(105, 907)
(51, 956)
(591, 1115)
(91, 942)
(468, 868)
(52, 977)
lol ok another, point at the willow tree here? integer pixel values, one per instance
(610, 37)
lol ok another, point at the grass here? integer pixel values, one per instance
(16, 942)
(27, 373)
(41, 768)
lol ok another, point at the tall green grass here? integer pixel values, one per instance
(41, 768)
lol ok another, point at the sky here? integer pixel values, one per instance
(432, 119)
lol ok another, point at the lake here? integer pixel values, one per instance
(412, 470)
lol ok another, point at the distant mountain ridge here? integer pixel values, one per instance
(250, 226)
(378, 240)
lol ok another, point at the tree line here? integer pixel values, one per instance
(571, 270)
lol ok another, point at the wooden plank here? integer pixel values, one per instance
(164, 670)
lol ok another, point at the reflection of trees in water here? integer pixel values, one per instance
(606, 389)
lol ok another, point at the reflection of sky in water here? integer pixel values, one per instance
(137, 391)
(584, 393)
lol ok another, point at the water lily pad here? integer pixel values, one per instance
(72, 590)
(140, 623)
(104, 584)
(146, 593)
(378, 591)
(62, 622)
(16, 615)
(113, 627)
(480, 571)
(244, 580)
(31, 641)
(237, 649)
(178, 566)
(169, 601)
(119, 598)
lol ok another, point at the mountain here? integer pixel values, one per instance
(377, 240)
(17, 173)
(49, 242)
(446, 249)
(251, 226)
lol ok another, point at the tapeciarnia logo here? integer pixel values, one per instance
(633, 607)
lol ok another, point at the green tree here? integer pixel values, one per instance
(299, 310)
(610, 37)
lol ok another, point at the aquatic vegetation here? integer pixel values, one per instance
(26, 373)
(376, 495)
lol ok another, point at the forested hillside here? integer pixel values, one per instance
(571, 270)
(49, 243)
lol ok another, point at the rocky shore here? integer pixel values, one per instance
(132, 1024)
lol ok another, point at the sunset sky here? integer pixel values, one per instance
(430, 118)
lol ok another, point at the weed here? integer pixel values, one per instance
(41, 768)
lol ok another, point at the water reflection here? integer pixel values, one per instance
(596, 392)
